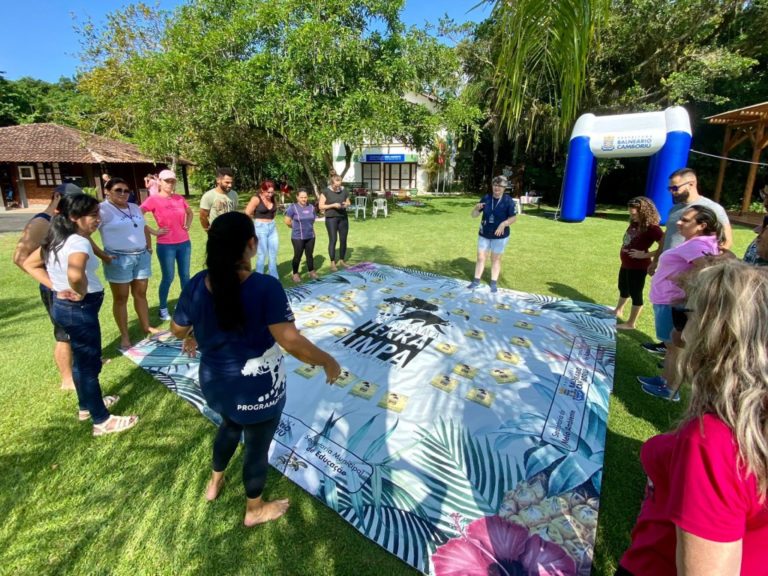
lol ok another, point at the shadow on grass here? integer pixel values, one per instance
(622, 489)
(569, 292)
(12, 308)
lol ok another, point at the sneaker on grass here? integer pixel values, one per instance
(655, 348)
(661, 392)
(164, 314)
(655, 381)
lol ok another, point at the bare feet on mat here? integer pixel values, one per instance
(296, 278)
(625, 326)
(313, 275)
(333, 267)
(152, 330)
(257, 511)
(214, 486)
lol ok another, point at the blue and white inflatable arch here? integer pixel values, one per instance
(665, 136)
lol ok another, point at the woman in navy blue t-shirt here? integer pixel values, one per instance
(239, 318)
(498, 213)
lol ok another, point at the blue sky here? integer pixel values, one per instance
(39, 39)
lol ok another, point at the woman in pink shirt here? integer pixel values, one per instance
(705, 507)
(703, 233)
(173, 216)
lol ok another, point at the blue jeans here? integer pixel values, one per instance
(81, 321)
(168, 255)
(266, 233)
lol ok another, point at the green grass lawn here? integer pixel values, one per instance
(133, 503)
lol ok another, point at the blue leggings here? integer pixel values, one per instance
(169, 255)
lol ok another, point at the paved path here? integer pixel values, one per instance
(15, 220)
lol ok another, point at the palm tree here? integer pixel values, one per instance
(541, 67)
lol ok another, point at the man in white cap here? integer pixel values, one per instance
(34, 233)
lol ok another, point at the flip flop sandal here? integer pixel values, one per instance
(119, 424)
(83, 415)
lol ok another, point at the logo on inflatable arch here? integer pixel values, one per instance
(665, 136)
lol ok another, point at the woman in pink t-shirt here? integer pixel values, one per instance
(705, 509)
(703, 233)
(173, 216)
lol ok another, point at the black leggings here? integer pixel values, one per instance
(307, 247)
(632, 283)
(257, 437)
(334, 226)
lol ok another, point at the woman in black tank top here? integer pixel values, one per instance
(334, 200)
(262, 208)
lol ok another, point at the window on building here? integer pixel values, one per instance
(372, 175)
(399, 176)
(48, 174)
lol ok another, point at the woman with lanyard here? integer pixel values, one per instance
(240, 321)
(174, 217)
(499, 212)
(262, 209)
(300, 218)
(334, 201)
(127, 259)
(66, 264)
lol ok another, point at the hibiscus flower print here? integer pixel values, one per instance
(493, 546)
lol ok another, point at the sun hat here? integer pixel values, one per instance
(167, 175)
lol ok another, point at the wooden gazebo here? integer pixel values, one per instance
(750, 123)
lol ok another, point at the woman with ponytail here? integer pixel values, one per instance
(65, 263)
(239, 320)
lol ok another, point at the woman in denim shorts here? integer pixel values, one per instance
(127, 258)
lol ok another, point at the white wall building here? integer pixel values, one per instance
(387, 167)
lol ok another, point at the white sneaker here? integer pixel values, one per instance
(164, 315)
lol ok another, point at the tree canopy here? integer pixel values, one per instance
(240, 82)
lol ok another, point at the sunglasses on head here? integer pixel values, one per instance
(676, 188)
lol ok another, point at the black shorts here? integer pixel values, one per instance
(631, 284)
(58, 331)
(679, 318)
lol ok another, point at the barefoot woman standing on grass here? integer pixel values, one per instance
(239, 318)
(636, 257)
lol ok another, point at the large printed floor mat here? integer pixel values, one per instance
(467, 429)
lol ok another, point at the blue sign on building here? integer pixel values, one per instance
(385, 157)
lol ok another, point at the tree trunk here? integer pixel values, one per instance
(310, 174)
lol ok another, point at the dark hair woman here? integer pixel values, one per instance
(334, 201)
(703, 232)
(262, 208)
(240, 321)
(66, 264)
(705, 508)
(300, 218)
(643, 231)
(127, 257)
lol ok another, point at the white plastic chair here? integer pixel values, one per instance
(361, 203)
(379, 205)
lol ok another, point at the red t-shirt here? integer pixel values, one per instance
(636, 240)
(694, 483)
